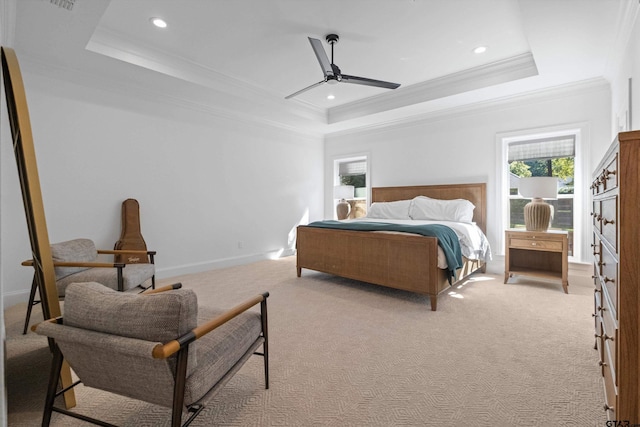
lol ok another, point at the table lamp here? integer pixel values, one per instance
(537, 213)
(343, 192)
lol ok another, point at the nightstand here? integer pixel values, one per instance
(537, 253)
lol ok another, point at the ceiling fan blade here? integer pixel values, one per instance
(322, 57)
(304, 90)
(369, 82)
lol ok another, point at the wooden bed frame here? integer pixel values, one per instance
(400, 261)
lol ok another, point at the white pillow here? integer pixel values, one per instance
(390, 210)
(425, 208)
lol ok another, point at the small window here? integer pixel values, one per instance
(354, 171)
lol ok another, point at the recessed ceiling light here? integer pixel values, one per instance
(480, 49)
(331, 97)
(158, 22)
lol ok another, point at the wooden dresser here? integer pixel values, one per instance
(615, 216)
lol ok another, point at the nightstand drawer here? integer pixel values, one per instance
(543, 245)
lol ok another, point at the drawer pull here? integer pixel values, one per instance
(607, 337)
(533, 243)
(608, 408)
(607, 173)
(607, 221)
(607, 279)
(598, 336)
(601, 363)
(602, 263)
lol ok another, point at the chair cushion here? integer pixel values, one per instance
(79, 250)
(157, 317)
(132, 275)
(218, 351)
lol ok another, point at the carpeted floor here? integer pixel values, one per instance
(345, 353)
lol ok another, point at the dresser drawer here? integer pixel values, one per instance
(608, 222)
(543, 245)
(609, 277)
(609, 176)
(610, 389)
(609, 341)
(595, 215)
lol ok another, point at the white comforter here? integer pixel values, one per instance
(473, 243)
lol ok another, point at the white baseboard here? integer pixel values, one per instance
(16, 297)
(22, 296)
(163, 273)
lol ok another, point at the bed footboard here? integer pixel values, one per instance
(395, 260)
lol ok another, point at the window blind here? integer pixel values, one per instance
(542, 149)
(357, 167)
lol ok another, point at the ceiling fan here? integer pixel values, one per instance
(332, 73)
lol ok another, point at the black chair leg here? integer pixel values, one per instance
(179, 385)
(52, 388)
(265, 344)
(32, 297)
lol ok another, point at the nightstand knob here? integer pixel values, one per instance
(533, 243)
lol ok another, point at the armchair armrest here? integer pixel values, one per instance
(151, 254)
(162, 351)
(29, 263)
(150, 291)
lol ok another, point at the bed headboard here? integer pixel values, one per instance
(475, 193)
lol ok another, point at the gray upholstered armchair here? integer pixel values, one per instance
(78, 260)
(157, 346)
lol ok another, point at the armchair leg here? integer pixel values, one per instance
(265, 344)
(32, 302)
(54, 375)
(120, 280)
(179, 385)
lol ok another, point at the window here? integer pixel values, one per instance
(554, 156)
(554, 151)
(354, 171)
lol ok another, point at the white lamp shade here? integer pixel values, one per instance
(343, 192)
(544, 187)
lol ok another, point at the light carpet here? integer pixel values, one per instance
(346, 353)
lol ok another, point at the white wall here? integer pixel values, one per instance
(460, 146)
(213, 191)
(628, 68)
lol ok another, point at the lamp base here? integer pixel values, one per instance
(537, 215)
(342, 209)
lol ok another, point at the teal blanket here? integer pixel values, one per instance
(447, 238)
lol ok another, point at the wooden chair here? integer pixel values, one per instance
(149, 346)
(78, 261)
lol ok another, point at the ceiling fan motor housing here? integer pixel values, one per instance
(332, 38)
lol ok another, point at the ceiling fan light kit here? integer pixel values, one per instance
(331, 71)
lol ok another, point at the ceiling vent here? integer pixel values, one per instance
(65, 4)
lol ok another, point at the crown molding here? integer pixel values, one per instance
(162, 95)
(503, 71)
(117, 46)
(459, 112)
